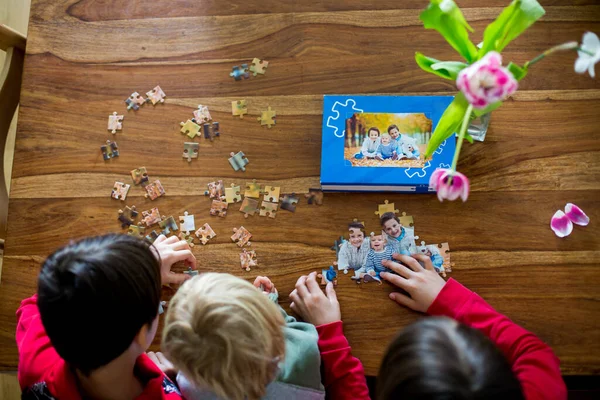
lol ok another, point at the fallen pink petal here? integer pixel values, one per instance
(576, 215)
(561, 224)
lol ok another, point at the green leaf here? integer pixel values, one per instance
(517, 71)
(449, 123)
(445, 69)
(445, 17)
(488, 109)
(468, 137)
(511, 22)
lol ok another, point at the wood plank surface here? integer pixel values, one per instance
(543, 150)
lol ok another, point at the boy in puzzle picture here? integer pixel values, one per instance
(370, 145)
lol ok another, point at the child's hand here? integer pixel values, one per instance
(264, 283)
(309, 301)
(422, 283)
(172, 250)
(163, 364)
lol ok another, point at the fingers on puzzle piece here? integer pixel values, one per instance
(439, 255)
(154, 190)
(268, 209)
(137, 231)
(187, 237)
(151, 217)
(187, 223)
(239, 72)
(314, 196)
(218, 208)
(406, 220)
(386, 207)
(253, 189)
(134, 101)
(233, 194)
(216, 190)
(239, 107)
(267, 117)
(189, 128)
(205, 233)
(248, 259)
(241, 236)
(272, 193)
(191, 272)
(238, 161)
(109, 150)
(328, 275)
(152, 236)
(168, 225)
(190, 150)
(139, 175)
(259, 66)
(288, 202)
(156, 95)
(115, 122)
(202, 114)
(127, 216)
(119, 191)
(249, 206)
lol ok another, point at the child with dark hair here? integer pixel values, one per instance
(84, 334)
(370, 145)
(402, 239)
(353, 252)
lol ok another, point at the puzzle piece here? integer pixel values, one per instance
(134, 101)
(127, 216)
(406, 220)
(241, 236)
(218, 208)
(139, 175)
(439, 255)
(189, 128)
(151, 217)
(267, 117)
(190, 150)
(268, 209)
(115, 122)
(119, 191)
(248, 259)
(191, 272)
(314, 196)
(137, 231)
(210, 130)
(337, 245)
(238, 73)
(202, 114)
(288, 202)
(186, 222)
(154, 190)
(253, 189)
(233, 194)
(259, 66)
(205, 233)
(168, 225)
(162, 305)
(238, 161)
(156, 95)
(249, 206)
(215, 190)
(152, 236)
(109, 150)
(386, 207)
(272, 193)
(444, 249)
(187, 237)
(239, 107)
(328, 275)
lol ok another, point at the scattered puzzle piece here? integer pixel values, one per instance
(233, 194)
(272, 193)
(239, 107)
(259, 66)
(202, 114)
(154, 190)
(205, 233)
(187, 223)
(216, 190)
(139, 175)
(248, 259)
(119, 191)
(288, 202)
(152, 236)
(115, 122)
(238, 161)
(218, 208)
(109, 150)
(249, 206)
(190, 150)
(253, 189)
(268, 209)
(406, 220)
(439, 255)
(241, 236)
(386, 207)
(127, 216)
(137, 231)
(134, 101)
(189, 128)
(314, 196)
(238, 73)
(156, 95)
(151, 217)
(168, 225)
(328, 275)
(187, 237)
(210, 130)
(267, 117)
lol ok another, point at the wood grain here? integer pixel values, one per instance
(543, 150)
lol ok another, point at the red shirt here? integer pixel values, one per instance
(532, 361)
(44, 374)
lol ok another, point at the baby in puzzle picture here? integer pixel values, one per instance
(379, 251)
(387, 148)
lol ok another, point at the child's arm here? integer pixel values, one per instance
(343, 260)
(370, 263)
(532, 361)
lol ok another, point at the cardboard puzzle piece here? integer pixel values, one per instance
(218, 208)
(238, 161)
(248, 259)
(253, 189)
(134, 101)
(127, 216)
(241, 236)
(267, 117)
(152, 236)
(272, 193)
(268, 209)
(151, 216)
(216, 190)
(337, 245)
(239, 72)
(439, 255)
(119, 191)
(139, 175)
(406, 220)
(187, 237)
(210, 130)
(154, 190)
(115, 122)
(156, 95)
(314, 196)
(168, 225)
(190, 150)
(386, 207)
(186, 222)
(233, 194)
(328, 275)
(259, 66)
(109, 150)
(239, 107)
(137, 231)
(288, 202)
(189, 128)
(444, 249)
(249, 206)
(191, 272)
(202, 114)
(205, 233)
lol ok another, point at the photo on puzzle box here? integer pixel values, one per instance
(387, 139)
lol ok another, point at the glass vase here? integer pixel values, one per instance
(479, 127)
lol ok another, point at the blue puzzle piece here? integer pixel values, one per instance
(240, 72)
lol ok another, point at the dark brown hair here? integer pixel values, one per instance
(438, 358)
(387, 216)
(393, 127)
(95, 295)
(356, 225)
(373, 129)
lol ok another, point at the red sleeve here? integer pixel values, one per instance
(532, 361)
(344, 376)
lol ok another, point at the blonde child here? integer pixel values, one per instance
(230, 340)
(387, 148)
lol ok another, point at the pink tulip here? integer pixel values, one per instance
(576, 215)
(561, 224)
(486, 81)
(450, 185)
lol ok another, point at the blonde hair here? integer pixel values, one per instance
(223, 334)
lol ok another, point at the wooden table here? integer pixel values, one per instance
(84, 58)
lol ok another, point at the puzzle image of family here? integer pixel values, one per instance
(387, 139)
